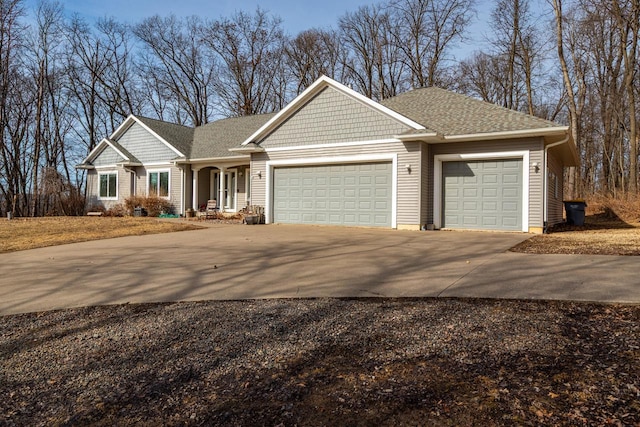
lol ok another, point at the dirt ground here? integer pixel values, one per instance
(323, 362)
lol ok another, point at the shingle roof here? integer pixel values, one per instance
(214, 139)
(181, 137)
(449, 113)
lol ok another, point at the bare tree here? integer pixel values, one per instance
(250, 48)
(425, 31)
(574, 82)
(626, 14)
(314, 53)
(175, 57)
(373, 63)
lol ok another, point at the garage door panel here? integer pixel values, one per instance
(483, 194)
(349, 194)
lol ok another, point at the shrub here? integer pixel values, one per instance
(116, 210)
(152, 204)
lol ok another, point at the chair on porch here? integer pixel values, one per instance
(212, 209)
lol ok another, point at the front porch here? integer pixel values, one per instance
(228, 184)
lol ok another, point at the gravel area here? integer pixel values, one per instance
(323, 362)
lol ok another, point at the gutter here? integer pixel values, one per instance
(545, 199)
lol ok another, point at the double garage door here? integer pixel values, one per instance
(483, 195)
(358, 194)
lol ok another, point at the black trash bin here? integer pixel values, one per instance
(575, 211)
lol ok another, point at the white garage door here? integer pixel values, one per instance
(483, 194)
(346, 194)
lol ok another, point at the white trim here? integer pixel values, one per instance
(154, 164)
(97, 150)
(507, 134)
(109, 172)
(247, 186)
(499, 155)
(309, 161)
(159, 171)
(219, 159)
(314, 89)
(333, 145)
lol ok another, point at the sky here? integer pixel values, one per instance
(297, 15)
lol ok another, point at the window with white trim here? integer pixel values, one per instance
(158, 183)
(108, 185)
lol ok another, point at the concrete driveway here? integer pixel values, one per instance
(282, 261)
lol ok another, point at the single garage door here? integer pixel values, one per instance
(484, 195)
(345, 194)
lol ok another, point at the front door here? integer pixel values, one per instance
(230, 186)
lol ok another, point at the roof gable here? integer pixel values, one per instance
(109, 152)
(336, 109)
(176, 138)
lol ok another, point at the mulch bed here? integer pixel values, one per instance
(324, 362)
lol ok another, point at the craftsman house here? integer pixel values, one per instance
(426, 158)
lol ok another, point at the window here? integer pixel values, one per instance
(108, 185)
(159, 183)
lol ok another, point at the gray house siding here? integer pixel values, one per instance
(426, 187)
(555, 189)
(408, 202)
(533, 145)
(332, 116)
(107, 157)
(142, 144)
(93, 188)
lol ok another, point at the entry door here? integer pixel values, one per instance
(230, 189)
(230, 186)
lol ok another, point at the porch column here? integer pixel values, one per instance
(221, 185)
(194, 190)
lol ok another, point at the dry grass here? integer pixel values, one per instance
(612, 227)
(599, 236)
(29, 233)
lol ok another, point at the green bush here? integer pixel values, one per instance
(152, 204)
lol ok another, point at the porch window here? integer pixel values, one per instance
(108, 185)
(159, 183)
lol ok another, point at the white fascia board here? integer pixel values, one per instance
(98, 149)
(220, 159)
(558, 130)
(133, 119)
(427, 137)
(249, 150)
(311, 91)
(330, 145)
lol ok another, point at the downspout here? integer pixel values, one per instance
(545, 174)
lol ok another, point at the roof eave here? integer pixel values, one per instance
(523, 133)
(425, 137)
(247, 150)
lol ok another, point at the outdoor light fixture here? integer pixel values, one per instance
(259, 174)
(536, 166)
(408, 167)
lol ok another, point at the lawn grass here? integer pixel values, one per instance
(29, 233)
